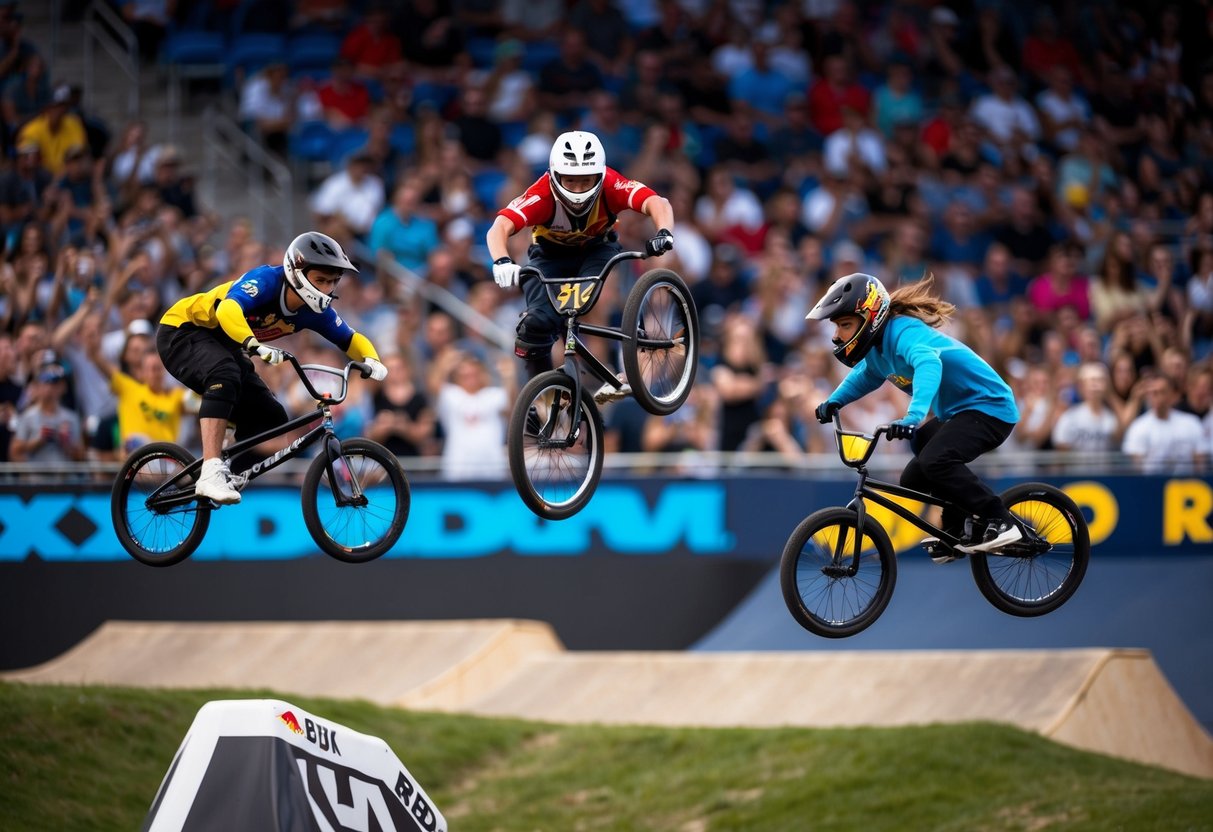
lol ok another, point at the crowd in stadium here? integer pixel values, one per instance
(1049, 164)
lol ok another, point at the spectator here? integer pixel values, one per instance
(620, 140)
(741, 379)
(430, 39)
(896, 101)
(1045, 50)
(1115, 293)
(22, 187)
(404, 233)
(835, 208)
(1062, 285)
(149, 20)
(609, 41)
(348, 201)
(566, 82)
(268, 106)
(1091, 426)
(1164, 440)
(479, 135)
(26, 94)
(999, 283)
(509, 88)
(834, 89)
(46, 431)
(472, 412)
(746, 157)
(992, 45)
(761, 88)
(371, 47)
(403, 420)
(1008, 120)
(1198, 323)
(1024, 234)
(55, 130)
(344, 100)
(10, 392)
(1064, 114)
(727, 212)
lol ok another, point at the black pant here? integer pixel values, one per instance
(217, 369)
(941, 449)
(541, 325)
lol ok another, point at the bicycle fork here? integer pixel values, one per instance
(836, 569)
(347, 491)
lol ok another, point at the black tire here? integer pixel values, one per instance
(659, 307)
(357, 534)
(836, 606)
(553, 480)
(1024, 581)
(157, 538)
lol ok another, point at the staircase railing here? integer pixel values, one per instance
(104, 28)
(226, 144)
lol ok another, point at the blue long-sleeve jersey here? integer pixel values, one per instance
(941, 374)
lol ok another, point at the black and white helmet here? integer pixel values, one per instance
(576, 153)
(313, 250)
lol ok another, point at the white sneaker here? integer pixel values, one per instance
(610, 393)
(998, 534)
(216, 483)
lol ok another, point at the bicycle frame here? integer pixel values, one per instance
(170, 495)
(574, 346)
(876, 490)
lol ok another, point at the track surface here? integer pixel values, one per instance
(1113, 701)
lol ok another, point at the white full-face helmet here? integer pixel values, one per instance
(313, 250)
(576, 153)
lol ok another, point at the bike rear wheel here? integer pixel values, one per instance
(157, 536)
(661, 351)
(356, 533)
(812, 573)
(1026, 579)
(554, 476)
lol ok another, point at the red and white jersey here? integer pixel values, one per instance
(540, 208)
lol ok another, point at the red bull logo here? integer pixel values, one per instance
(290, 721)
(870, 301)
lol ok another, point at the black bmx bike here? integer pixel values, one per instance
(839, 568)
(355, 494)
(554, 438)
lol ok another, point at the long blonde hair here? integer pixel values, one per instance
(918, 300)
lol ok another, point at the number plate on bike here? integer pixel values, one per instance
(574, 297)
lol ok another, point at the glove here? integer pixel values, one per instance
(826, 410)
(505, 272)
(901, 430)
(270, 355)
(659, 245)
(378, 371)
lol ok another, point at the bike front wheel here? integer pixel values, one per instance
(360, 511)
(166, 530)
(815, 573)
(1039, 574)
(555, 448)
(661, 350)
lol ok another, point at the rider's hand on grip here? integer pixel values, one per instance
(660, 244)
(378, 371)
(901, 430)
(505, 272)
(826, 410)
(270, 355)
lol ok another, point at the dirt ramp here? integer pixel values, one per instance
(382, 662)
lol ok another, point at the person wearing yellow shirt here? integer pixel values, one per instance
(206, 341)
(55, 130)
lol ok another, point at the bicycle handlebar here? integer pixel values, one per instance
(610, 264)
(344, 372)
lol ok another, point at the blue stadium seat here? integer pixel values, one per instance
(247, 53)
(345, 142)
(193, 47)
(404, 139)
(311, 141)
(482, 51)
(311, 53)
(486, 184)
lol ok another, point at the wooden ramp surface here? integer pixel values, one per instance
(1112, 701)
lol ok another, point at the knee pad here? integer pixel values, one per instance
(533, 336)
(220, 393)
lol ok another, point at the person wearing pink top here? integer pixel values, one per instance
(1061, 285)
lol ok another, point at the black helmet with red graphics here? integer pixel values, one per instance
(856, 294)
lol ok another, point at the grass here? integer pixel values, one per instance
(91, 758)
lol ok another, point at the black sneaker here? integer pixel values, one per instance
(999, 533)
(941, 552)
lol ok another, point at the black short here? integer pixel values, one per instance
(217, 369)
